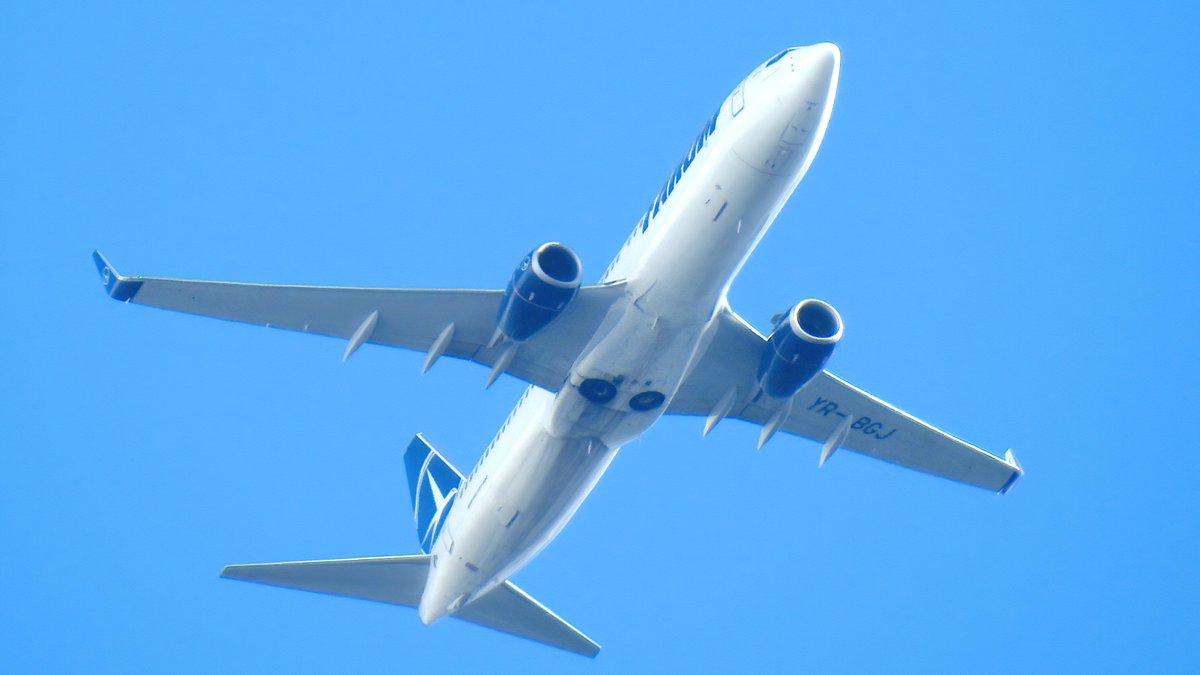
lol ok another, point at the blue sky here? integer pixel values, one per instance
(1003, 211)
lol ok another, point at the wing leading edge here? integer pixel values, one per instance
(833, 412)
(456, 323)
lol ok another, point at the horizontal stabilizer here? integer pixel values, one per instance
(508, 609)
(400, 580)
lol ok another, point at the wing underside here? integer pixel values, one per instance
(463, 321)
(833, 412)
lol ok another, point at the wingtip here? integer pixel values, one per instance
(117, 286)
(238, 572)
(102, 264)
(1018, 472)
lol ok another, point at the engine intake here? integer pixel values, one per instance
(542, 286)
(799, 347)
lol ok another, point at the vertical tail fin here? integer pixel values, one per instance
(434, 485)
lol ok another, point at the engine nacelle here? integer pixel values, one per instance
(798, 348)
(542, 286)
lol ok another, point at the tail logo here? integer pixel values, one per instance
(434, 485)
(433, 503)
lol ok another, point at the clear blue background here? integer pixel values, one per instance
(1004, 211)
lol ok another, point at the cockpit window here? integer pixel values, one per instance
(776, 58)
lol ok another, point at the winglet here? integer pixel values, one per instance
(117, 286)
(1011, 459)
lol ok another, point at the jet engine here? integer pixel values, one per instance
(542, 286)
(798, 348)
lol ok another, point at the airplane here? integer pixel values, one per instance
(656, 336)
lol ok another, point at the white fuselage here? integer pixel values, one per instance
(678, 265)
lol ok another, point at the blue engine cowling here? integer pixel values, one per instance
(798, 348)
(542, 286)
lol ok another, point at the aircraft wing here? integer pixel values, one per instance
(396, 317)
(831, 411)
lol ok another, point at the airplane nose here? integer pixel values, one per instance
(791, 102)
(816, 66)
(823, 57)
